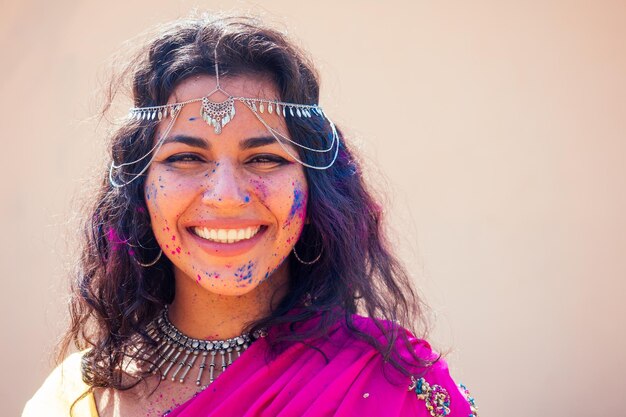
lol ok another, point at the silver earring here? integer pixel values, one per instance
(305, 262)
(148, 265)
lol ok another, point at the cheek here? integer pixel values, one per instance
(167, 196)
(165, 201)
(290, 210)
(297, 205)
(300, 197)
(287, 202)
(156, 193)
(151, 193)
(260, 187)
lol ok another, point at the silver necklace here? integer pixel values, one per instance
(180, 353)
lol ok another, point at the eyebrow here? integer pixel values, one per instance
(256, 142)
(187, 140)
(197, 142)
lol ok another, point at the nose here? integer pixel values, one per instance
(224, 187)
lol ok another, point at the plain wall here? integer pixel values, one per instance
(500, 129)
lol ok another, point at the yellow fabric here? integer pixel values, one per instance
(60, 390)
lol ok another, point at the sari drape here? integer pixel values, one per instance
(352, 381)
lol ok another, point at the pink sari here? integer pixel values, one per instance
(300, 383)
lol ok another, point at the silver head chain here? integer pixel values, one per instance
(219, 113)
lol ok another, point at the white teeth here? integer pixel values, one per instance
(226, 235)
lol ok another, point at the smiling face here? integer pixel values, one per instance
(226, 209)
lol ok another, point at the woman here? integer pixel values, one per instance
(234, 234)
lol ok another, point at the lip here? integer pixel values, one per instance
(226, 223)
(228, 249)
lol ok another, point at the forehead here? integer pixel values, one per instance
(253, 86)
(244, 124)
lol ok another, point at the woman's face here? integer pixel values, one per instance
(226, 209)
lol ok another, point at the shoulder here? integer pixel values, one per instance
(413, 352)
(60, 391)
(430, 390)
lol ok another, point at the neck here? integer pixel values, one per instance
(202, 314)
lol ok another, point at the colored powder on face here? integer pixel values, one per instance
(260, 187)
(244, 272)
(151, 192)
(270, 271)
(213, 275)
(298, 201)
(246, 199)
(191, 119)
(298, 206)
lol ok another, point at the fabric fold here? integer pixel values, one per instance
(300, 382)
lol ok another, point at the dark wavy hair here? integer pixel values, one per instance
(114, 298)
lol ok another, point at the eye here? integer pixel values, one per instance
(184, 158)
(267, 160)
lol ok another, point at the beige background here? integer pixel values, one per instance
(500, 127)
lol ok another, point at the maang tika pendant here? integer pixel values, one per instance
(217, 114)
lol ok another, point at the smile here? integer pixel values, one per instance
(226, 235)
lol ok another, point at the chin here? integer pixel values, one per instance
(230, 289)
(235, 279)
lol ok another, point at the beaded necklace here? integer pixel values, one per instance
(179, 354)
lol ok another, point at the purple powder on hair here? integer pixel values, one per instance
(114, 238)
